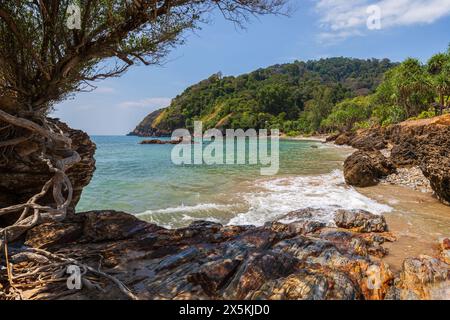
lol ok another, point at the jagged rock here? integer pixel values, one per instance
(405, 154)
(427, 144)
(80, 174)
(364, 168)
(111, 225)
(52, 234)
(343, 139)
(360, 221)
(422, 278)
(423, 143)
(210, 261)
(369, 140)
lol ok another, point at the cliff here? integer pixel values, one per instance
(149, 126)
(422, 144)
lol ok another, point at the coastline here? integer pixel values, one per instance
(209, 260)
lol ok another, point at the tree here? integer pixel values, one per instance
(319, 107)
(347, 113)
(43, 61)
(407, 85)
(439, 68)
(276, 98)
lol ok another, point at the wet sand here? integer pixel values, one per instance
(418, 221)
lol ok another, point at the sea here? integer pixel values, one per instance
(143, 180)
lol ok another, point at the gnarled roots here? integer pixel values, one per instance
(56, 153)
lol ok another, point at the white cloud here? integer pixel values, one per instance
(343, 18)
(148, 102)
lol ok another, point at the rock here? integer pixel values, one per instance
(207, 260)
(81, 173)
(360, 221)
(422, 278)
(343, 139)
(332, 137)
(414, 143)
(48, 235)
(364, 168)
(405, 154)
(157, 141)
(368, 140)
(297, 215)
(444, 248)
(111, 225)
(25, 176)
(436, 167)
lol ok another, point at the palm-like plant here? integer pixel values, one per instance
(439, 70)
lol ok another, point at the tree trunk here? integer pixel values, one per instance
(441, 102)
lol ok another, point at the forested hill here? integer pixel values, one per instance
(293, 97)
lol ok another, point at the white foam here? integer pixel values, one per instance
(326, 193)
(183, 208)
(183, 215)
(274, 198)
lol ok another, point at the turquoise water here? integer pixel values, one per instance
(141, 179)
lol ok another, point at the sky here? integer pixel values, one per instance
(315, 29)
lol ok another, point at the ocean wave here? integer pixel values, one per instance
(271, 199)
(174, 217)
(326, 193)
(183, 208)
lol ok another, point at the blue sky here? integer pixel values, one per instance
(316, 29)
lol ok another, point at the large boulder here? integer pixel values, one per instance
(366, 168)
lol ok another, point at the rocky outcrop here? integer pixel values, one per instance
(366, 168)
(207, 260)
(157, 141)
(24, 177)
(421, 143)
(367, 140)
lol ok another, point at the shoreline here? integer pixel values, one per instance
(208, 260)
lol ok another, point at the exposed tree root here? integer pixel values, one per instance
(43, 266)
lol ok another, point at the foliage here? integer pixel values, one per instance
(327, 95)
(347, 113)
(293, 97)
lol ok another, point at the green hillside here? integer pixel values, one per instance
(293, 97)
